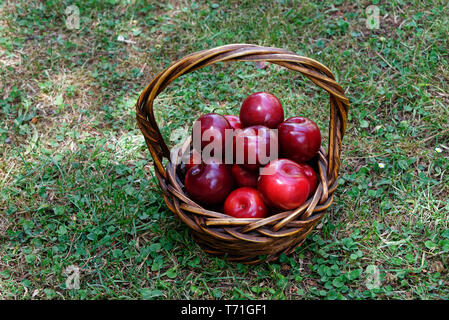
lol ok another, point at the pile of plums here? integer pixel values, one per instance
(257, 163)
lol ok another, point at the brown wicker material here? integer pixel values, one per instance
(256, 239)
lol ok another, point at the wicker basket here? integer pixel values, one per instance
(256, 239)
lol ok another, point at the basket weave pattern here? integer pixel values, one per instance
(245, 240)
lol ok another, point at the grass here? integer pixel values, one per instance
(76, 182)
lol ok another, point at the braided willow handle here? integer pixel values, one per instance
(315, 71)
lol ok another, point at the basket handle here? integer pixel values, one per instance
(312, 69)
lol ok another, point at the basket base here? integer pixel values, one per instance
(254, 258)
